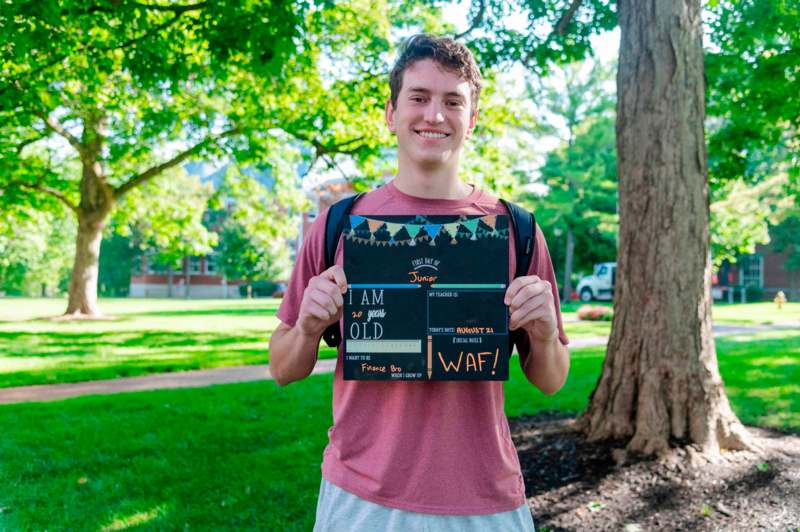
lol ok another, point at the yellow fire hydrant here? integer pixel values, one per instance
(780, 299)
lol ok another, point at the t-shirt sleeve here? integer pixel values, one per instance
(542, 266)
(309, 262)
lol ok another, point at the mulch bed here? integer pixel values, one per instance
(572, 484)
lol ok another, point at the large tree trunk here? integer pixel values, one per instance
(568, 259)
(85, 269)
(96, 202)
(660, 382)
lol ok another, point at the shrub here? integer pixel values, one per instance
(595, 313)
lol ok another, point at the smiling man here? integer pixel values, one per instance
(422, 455)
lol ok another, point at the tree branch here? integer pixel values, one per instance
(566, 18)
(559, 30)
(48, 190)
(477, 21)
(27, 142)
(53, 125)
(179, 158)
(321, 149)
(174, 9)
(148, 33)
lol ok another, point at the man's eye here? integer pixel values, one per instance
(454, 103)
(417, 99)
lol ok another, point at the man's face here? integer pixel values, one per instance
(433, 115)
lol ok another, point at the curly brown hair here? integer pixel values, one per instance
(452, 55)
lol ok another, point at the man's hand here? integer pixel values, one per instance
(530, 302)
(322, 301)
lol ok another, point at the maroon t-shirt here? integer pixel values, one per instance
(440, 447)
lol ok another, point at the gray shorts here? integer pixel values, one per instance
(339, 510)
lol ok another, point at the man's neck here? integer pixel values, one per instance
(434, 183)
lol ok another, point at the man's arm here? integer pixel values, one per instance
(293, 350)
(532, 308)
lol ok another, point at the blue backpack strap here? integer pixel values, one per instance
(334, 225)
(524, 225)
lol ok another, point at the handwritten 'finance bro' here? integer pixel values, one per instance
(425, 298)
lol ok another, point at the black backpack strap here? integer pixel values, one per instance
(524, 225)
(334, 225)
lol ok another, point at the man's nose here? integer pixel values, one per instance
(433, 112)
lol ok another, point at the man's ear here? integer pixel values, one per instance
(473, 119)
(390, 116)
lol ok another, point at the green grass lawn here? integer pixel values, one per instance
(146, 336)
(246, 456)
(757, 313)
(149, 336)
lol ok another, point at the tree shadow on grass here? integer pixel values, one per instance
(225, 311)
(119, 317)
(48, 358)
(83, 344)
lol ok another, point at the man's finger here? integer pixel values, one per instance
(526, 315)
(529, 291)
(530, 304)
(336, 274)
(516, 285)
(324, 300)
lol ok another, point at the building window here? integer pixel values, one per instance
(752, 268)
(211, 264)
(194, 265)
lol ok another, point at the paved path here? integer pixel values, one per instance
(207, 377)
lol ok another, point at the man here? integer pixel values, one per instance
(422, 455)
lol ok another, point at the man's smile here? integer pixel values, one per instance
(431, 134)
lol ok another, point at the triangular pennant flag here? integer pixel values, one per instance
(471, 225)
(355, 221)
(433, 230)
(393, 228)
(490, 220)
(413, 230)
(374, 225)
(451, 229)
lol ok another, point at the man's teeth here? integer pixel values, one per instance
(431, 135)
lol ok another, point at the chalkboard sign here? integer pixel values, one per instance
(425, 297)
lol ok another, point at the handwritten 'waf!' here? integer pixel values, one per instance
(426, 312)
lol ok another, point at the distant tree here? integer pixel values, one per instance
(118, 257)
(742, 216)
(36, 250)
(255, 224)
(164, 218)
(581, 202)
(786, 239)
